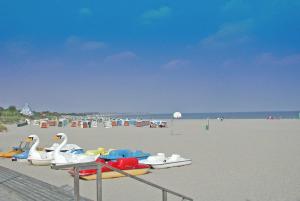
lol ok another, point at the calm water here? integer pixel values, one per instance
(226, 115)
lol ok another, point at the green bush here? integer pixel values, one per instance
(10, 115)
(2, 128)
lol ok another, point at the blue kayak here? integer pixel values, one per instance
(24, 154)
(21, 156)
(125, 153)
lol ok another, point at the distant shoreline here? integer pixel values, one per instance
(215, 115)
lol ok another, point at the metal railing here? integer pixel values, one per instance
(93, 165)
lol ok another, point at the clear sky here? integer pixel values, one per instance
(150, 56)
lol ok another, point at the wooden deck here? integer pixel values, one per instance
(19, 187)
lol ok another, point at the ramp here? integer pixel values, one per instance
(15, 186)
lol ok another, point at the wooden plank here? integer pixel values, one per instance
(8, 195)
(28, 188)
(34, 183)
(32, 191)
(24, 193)
(48, 190)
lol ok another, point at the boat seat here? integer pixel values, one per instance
(174, 157)
(127, 162)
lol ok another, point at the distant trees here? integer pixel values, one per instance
(10, 115)
(12, 108)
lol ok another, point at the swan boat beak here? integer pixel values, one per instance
(56, 138)
(29, 139)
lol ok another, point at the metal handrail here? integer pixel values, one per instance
(80, 166)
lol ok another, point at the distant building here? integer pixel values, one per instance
(26, 110)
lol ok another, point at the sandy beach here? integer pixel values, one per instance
(236, 160)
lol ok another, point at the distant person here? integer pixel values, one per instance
(220, 118)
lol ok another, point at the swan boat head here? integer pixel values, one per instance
(32, 138)
(60, 136)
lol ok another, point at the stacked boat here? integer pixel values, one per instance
(99, 151)
(128, 165)
(124, 153)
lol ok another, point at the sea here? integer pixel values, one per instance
(214, 115)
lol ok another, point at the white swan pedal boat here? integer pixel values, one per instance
(62, 158)
(161, 161)
(36, 157)
(43, 158)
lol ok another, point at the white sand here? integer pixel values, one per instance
(236, 160)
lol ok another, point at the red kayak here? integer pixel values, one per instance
(129, 165)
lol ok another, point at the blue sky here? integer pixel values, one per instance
(150, 56)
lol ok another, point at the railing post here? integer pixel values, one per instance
(164, 195)
(76, 184)
(99, 183)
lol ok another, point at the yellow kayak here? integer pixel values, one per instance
(99, 151)
(10, 153)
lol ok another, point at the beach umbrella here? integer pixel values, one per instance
(176, 115)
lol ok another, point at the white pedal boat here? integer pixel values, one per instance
(40, 162)
(161, 161)
(66, 148)
(38, 157)
(61, 158)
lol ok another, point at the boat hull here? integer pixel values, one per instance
(124, 153)
(170, 164)
(113, 174)
(23, 160)
(38, 162)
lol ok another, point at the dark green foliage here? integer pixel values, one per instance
(10, 115)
